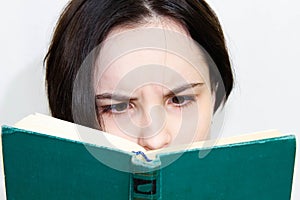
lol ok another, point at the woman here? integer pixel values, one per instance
(151, 71)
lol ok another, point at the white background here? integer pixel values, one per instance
(263, 39)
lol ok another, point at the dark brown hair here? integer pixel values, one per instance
(84, 24)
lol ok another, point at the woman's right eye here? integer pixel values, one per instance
(115, 108)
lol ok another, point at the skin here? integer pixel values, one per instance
(168, 105)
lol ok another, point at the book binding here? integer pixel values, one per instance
(145, 179)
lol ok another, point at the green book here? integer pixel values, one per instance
(47, 158)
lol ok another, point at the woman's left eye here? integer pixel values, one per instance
(181, 100)
(116, 108)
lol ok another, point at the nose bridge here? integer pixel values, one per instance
(155, 134)
(153, 120)
(151, 104)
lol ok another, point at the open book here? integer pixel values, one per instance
(46, 158)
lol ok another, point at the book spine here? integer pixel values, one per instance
(145, 179)
(145, 185)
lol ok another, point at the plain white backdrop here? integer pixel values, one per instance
(262, 37)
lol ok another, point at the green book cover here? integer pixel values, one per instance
(41, 166)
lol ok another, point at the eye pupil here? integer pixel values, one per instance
(120, 106)
(178, 100)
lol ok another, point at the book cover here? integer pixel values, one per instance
(260, 169)
(39, 166)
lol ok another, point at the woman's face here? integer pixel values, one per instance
(153, 96)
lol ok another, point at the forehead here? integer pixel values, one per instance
(164, 55)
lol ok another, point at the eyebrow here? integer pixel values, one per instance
(121, 97)
(117, 97)
(183, 88)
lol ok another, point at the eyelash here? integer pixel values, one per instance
(187, 98)
(108, 108)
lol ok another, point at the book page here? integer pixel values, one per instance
(218, 142)
(62, 129)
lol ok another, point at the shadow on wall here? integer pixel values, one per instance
(25, 95)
